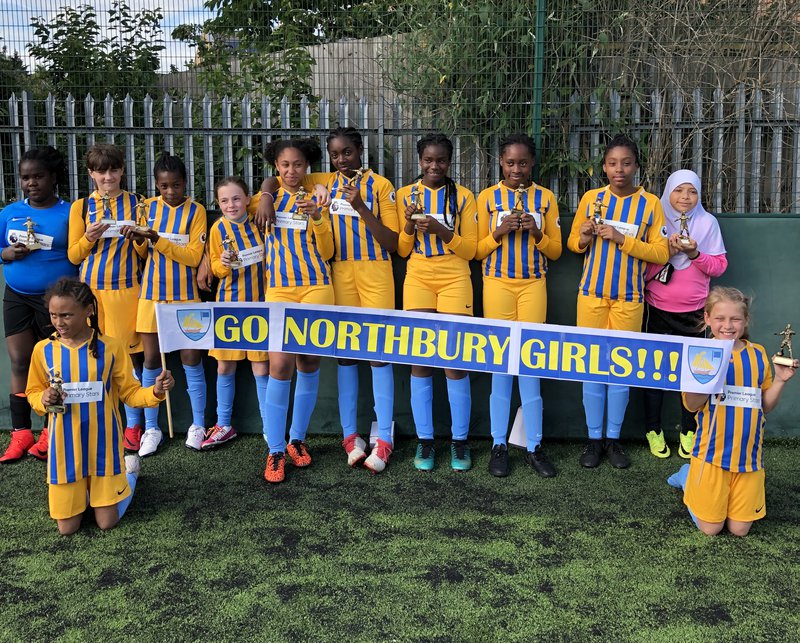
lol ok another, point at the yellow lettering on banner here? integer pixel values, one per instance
(531, 359)
(255, 329)
(475, 343)
(573, 354)
(594, 361)
(498, 349)
(423, 342)
(225, 331)
(373, 331)
(442, 345)
(323, 332)
(620, 356)
(392, 338)
(299, 335)
(348, 333)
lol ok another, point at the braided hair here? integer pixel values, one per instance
(450, 187)
(53, 162)
(83, 295)
(622, 140)
(168, 163)
(350, 133)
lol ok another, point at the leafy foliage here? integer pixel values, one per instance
(74, 55)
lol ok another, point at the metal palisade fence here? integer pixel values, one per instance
(744, 143)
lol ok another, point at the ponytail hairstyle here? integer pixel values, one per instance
(53, 162)
(83, 295)
(450, 189)
(308, 147)
(168, 163)
(622, 140)
(232, 180)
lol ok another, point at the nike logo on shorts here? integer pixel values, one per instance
(119, 493)
(759, 509)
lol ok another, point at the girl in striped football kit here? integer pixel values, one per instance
(299, 246)
(724, 481)
(87, 374)
(619, 228)
(236, 248)
(519, 232)
(438, 236)
(172, 248)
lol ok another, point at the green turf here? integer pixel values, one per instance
(208, 551)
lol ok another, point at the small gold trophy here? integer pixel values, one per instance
(141, 215)
(356, 180)
(30, 236)
(300, 195)
(518, 193)
(684, 221)
(56, 383)
(597, 215)
(229, 245)
(786, 343)
(106, 201)
(416, 201)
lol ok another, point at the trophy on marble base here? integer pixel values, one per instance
(416, 201)
(786, 343)
(56, 383)
(684, 222)
(30, 236)
(229, 245)
(300, 195)
(518, 206)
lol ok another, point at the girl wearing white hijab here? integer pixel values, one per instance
(676, 292)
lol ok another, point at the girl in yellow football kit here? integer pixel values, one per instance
(299, 246)
(88, 374)
(365, 229)
(439, 236)
(518, 232)
(619, 229)
(172, 249)
(724, 482)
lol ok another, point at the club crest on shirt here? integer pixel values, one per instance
(194, 323)
(704, 362)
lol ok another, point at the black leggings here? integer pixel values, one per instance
(663, 322)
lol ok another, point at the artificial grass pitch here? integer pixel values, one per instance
(210, 551)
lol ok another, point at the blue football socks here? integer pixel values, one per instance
(226, 390)
(500, 406)
(278, 392)
(617, 403)
(594, 403)
(347, 381)
(149, 376)
(262, 382)
(532, 408)
(678, 480)
(383, 392)
(196, 388)
(134, 417)
(422, 406)
(305, 399)
(460, 406)
(122, 505)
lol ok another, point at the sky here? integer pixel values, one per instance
(16, 32)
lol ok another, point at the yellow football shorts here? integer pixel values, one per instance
(146, 314)
(114, 309)
(69, 499)
(714, 494)
(363, 284)
(613, 314)
(442, 284)
(515, 299)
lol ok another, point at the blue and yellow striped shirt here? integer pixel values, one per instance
(111, 262)
(614, 271)
(238, 284)
(86, 440)
(517, 255)
(170, 269)
(730, 433)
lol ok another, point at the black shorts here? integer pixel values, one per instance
(663, 322)
(21, 312)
